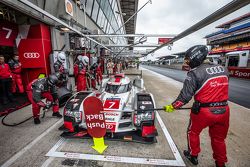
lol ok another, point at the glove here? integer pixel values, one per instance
(41, 104)
(169, 108)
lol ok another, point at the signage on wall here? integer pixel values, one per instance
(69, 7)
(8, 33)
(163, 40)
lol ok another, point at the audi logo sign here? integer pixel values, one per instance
(215, 70)
(31, 55)
(109, 126)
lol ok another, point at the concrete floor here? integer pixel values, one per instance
(16, 142)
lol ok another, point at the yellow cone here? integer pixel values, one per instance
(99, 145)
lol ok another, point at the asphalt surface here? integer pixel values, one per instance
(239, 89)
(28, 144)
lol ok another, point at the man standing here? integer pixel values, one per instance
(110, 67)
(99, 72)
(5, 81)
(43, 88)
(59, 67)
(209, 85)
(80, 72)
(16, 69)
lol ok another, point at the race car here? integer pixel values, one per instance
(128, 111)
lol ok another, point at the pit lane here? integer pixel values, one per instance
(118, 151)
(22, 141)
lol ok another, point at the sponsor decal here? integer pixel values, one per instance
(146, 102)
(72, 155)
(242, 74)
(215, 84)
(215, 70)
(34, 55)
(239, 72)
(112, 104)
(74, 100)
(111, 126)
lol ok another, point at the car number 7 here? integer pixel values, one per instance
(112, 104)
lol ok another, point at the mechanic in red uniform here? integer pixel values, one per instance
(16, 68)
(5, 81)
(80, 71)
(209, 85)
(43, 88)
(99, 72)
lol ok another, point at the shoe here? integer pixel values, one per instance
(57, 114)
(221, 165)
(191, 158)
(37, 121)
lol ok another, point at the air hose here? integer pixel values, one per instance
(45, 109)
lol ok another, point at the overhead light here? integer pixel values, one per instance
(64, 29)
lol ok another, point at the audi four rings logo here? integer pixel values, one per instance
(215, 70)
(109, 126)
(31, 55)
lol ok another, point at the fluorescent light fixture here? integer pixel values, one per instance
(64, 29)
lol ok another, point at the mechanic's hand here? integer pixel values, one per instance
(41, 104)
(169, 108)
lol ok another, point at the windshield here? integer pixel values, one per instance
(116, 89)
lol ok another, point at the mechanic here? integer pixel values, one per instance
(59, 67)
(16, 68)
(5, 81)
(119, 67)
(208, 84)
(99, 72)
(80, 73)
(92, 75)
(110, 67)
(43, 88)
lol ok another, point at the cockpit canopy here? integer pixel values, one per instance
(117, 89)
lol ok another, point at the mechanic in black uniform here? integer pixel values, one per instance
(208, 83)
(43, 88)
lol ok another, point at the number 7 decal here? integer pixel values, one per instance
(112, 104)
(9, 32)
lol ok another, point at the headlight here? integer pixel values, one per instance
(138, 118)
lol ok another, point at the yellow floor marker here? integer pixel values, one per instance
(99, 145)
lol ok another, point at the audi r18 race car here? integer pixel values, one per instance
(128, 111)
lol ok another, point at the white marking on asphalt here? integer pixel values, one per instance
(148, 161)
(48, 161)
(53, 149)
(170, 141)
(22, 151)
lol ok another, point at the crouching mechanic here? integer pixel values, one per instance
(209, 85)
(43, 88)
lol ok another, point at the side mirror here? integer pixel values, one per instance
(138, 82)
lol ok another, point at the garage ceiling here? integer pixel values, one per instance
(129, 7)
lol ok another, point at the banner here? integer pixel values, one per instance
(239, 72)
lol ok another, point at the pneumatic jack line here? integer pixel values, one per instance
(45, 109)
